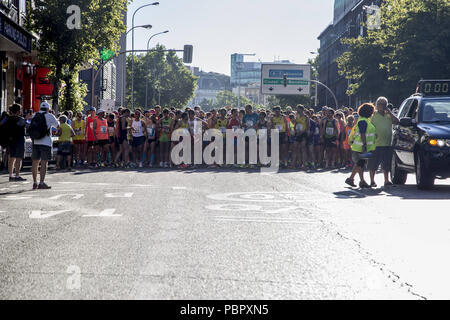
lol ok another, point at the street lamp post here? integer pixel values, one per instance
(146, 83)
(146, 26)
(132, 45)
(316, 91)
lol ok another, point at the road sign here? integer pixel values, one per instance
(286, 79)
(106, 54)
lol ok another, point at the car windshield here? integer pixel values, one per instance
(436, 111)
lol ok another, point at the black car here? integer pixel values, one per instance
(421, 141)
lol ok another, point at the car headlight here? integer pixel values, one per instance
(439, 142)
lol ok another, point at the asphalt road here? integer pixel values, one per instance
(221, 234)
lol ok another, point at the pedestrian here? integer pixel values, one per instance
(362, 141)
(65, 134)
(101, 137)
(16, 142)
(40, 133)
(383, 120)
(138, 131)
(91, 146)
(79, 140)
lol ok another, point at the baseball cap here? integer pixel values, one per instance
(101, 111)
(45, 105)
(92, 109)
(324, 108)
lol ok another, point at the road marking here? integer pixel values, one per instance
(179, 188)
(39, 214)
(268, 220)
(13, 198)
(269, 197)
(75, 196)
(234, 207)
(119, 195)
(107, 213)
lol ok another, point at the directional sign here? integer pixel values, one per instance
(297, 79)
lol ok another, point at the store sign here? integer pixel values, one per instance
(15, 33)
(43, 85)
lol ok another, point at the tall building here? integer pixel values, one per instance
(18, 69)
(349, 16)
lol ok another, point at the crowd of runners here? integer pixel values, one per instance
(125, 139)
(308, 138)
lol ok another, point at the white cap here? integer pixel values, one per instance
(45, 105)
(100, 111)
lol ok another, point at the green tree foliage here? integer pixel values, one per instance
(412, 43)
(228, 98)
(65, 50)
(161, 73)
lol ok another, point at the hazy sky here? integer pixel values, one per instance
(285, 29)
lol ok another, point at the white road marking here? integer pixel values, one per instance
(179, 188)
(14, 198)
(39, 214)
(267, 220)
(119, 195)
(75, 196)
(107, 213)
(269, 197)
(234, 207)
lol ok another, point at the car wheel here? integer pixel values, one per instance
(398, 176)
(424, 179)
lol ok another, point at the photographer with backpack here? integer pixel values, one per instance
(40, 132)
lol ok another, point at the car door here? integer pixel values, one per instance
(400, 133)
(411, 133)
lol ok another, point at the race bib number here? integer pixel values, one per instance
(316, 131)
(299, 127)
(103, 129)
(78, 132)
(279, 127)
(111, 130)
(249, 123)
(166, 129)
(223, 130)
(235, 128)
(330, 131)
(150, 132)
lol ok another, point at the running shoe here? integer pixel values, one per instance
(43, 186)
(35, 186)
(373, 185)
(364, 185)
(350, 182)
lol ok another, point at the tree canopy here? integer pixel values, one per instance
(163, 75)
(411, 44)
(66, 50)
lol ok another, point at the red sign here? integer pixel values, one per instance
(43, 85)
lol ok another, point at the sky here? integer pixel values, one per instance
(280, 29)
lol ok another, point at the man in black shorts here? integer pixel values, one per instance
(16, 146)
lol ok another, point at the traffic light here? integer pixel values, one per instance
(187, 54)
(285, 81)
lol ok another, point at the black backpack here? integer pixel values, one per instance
(38, 127)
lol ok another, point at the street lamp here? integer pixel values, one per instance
(132, 47)
(146, 26)
(316, 96)
(148, 48)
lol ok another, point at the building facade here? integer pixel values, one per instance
(209, 84)
(349, 16)
(18, 61)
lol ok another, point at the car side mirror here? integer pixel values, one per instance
(406, 122)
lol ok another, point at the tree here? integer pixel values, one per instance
(228, 98)
(412, 43)
(161, 73)
(65, 49)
